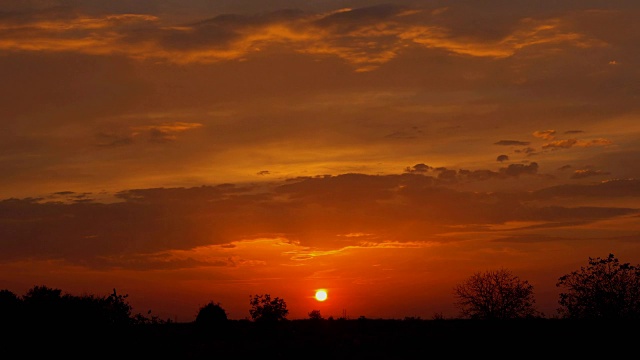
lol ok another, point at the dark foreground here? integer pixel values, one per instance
(330, 339)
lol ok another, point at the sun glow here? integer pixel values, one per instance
(321, 295)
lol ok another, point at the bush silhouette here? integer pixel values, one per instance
(112, 310)
(315, 315)
(10, 307)
(605, 289)
(265, 309)
(42, 305)
(211, 315)
(495, 295)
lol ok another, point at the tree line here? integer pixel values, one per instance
(605, 289)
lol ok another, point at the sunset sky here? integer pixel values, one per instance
(187, 151)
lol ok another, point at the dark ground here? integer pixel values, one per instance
(332, 339)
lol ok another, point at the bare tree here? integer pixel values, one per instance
(495, 295)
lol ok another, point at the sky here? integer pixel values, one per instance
(191, 151)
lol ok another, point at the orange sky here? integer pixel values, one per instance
(193, 151)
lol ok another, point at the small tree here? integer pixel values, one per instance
(495, 295)
(605, 289)
(118, 308)
(265, 309)
(9, 300)
(315, 315)
(211, 315)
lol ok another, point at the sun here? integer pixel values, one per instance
(321, 295)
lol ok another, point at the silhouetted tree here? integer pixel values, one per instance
(265, 309)
(315, 315)
(149, 319)
(43, 305)
(84, 310)
(39, 295)
(211, 316)
(119, 308)
(112, 310)
(605, 289)
(8, 298)
(10, 307)
(495, 295)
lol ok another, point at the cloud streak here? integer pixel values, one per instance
(313, 212)
(364, 38)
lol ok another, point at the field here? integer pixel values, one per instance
(335, 339)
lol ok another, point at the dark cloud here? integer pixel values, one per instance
(605, 189)
(365, 37)
(623, 163)
(345, 21)
(113, 140)
(143, 262)
(520, 169)
(502, 158)
(410, 133)
(529, 238)
(542, 238)
(448, 175)
(512, 143)
(527, 150)
(69, 196)
(156, 133)
(95, 67)
(215, 33)
(552, 225)
(418, 168)
(512, 171)
(312, 211)
(477, 175)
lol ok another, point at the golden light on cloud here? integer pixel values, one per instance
(365, 45)
(164, 132)
(530, 34)
(569, 143)
(170, 127)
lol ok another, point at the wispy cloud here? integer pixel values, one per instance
(545, 134)
(583, 173)
(365, 38)
(312, 212)
(512, 142)
(164, 132)
(569, 143)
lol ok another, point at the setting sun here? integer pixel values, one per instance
(321, 295)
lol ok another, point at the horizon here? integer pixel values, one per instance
(194, 151)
